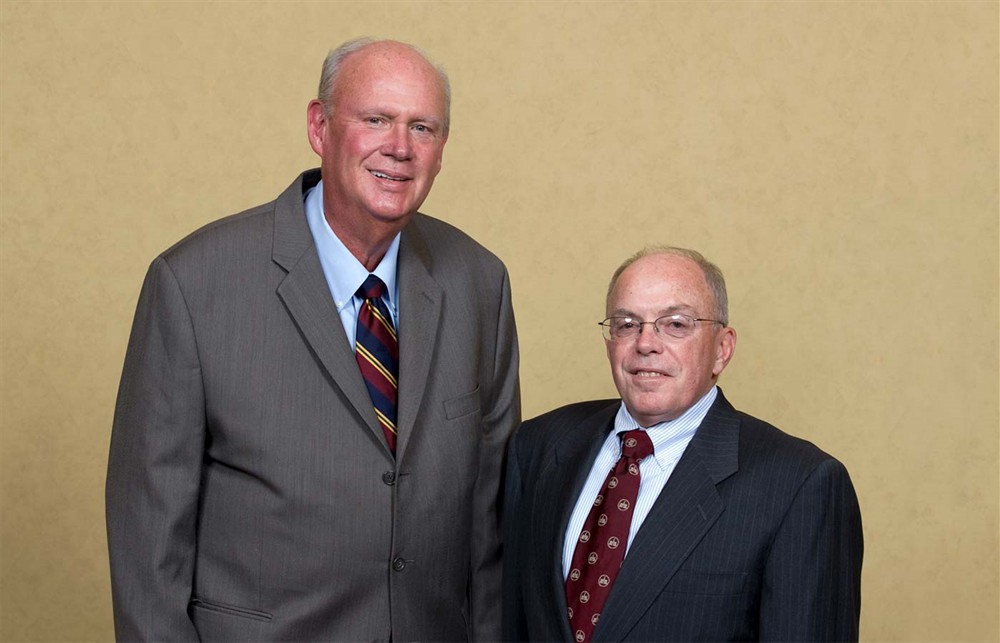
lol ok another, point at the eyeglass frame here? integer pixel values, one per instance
(606, 326)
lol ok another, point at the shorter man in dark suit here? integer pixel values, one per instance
(668, 515)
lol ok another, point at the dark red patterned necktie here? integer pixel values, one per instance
(601, 548)
(377, 353)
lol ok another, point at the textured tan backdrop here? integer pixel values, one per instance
(839, 161)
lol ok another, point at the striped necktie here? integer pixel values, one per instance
(377, 353)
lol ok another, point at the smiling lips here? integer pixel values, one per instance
(647, 374)
(389, 177)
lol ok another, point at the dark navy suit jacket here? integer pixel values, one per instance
(756, 536)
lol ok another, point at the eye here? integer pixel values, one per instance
(625, 323)
(373, 120)
(676, 325)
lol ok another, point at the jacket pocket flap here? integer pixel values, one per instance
(456, 407)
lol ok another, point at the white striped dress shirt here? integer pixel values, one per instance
(670, 439)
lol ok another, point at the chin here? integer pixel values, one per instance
(391, 215)
(654, 415)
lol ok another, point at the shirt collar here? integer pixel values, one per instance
(669, 438)
(344, 273)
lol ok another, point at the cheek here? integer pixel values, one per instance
(356, 149)
(615, 357)
(701, 364)
(358, 145)
(432, 154)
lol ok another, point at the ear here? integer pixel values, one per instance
(316, 125)
(724, 348)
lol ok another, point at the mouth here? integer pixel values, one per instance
(388, 177)
(649, 374)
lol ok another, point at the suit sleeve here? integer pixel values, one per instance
(514, 622)
(812, 581)
(154, 468)
(501, 415)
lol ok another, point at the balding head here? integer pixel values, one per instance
(335, 61)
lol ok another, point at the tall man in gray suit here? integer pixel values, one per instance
(668, 515)
(317, 395)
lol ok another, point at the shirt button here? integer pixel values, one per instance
(399, 564)
(389, 478)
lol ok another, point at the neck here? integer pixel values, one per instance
(368, 245)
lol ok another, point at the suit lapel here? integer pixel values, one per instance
(572, 458)
(420, 301)
(686, 509)
(306, 296)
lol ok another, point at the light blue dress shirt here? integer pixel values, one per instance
(344, 273)
(669, 439)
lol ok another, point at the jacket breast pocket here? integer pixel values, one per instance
(462, 405)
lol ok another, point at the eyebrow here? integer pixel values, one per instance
(671, 310)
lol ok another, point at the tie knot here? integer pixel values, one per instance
(636, 445)
(373, 288)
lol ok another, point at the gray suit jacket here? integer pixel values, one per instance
(251, 494)
(756, 536)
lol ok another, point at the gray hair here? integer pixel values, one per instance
(713, 276)
(336, 57)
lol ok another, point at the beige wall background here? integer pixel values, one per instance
(838, 160)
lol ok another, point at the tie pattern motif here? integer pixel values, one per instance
(600, 550)
(377, 353)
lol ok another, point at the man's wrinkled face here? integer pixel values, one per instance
(660, 377)
(382, 142)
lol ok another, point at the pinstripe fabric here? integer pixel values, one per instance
(756, 536)
(670, 439)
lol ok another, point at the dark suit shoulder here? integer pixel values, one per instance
(570, 413)
(541, 433)
(758, 436)
(778, 461)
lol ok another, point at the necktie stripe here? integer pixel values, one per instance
(386, 422)
(377, 365)
(381, 392)
(382, 329)
(386, 324)
(378, 351)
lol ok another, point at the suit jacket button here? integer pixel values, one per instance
(398, 564)
(389, 477)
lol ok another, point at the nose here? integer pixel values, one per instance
(398, 143)
(648, 340)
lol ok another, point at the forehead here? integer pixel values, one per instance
(658, 283)
(385, 68)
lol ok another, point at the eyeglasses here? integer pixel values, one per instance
(677, 326)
